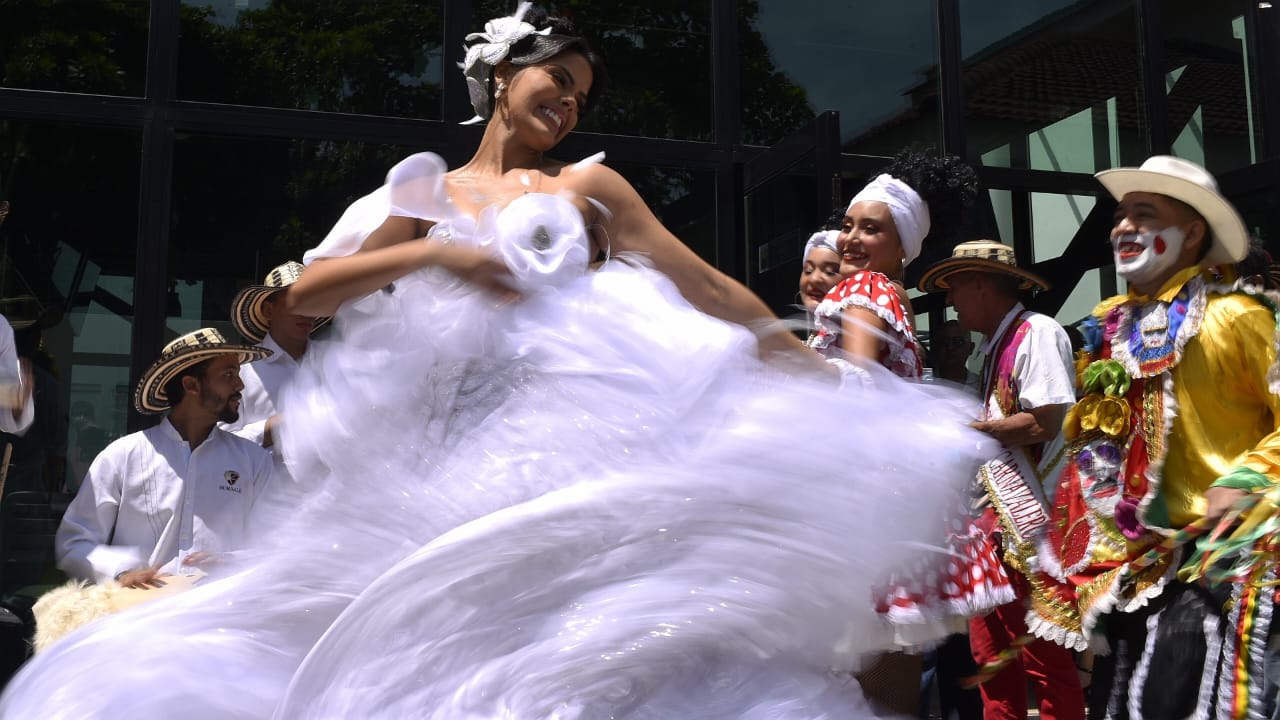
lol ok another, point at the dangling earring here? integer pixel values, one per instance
(501, 86)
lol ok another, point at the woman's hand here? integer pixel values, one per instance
(478, 267)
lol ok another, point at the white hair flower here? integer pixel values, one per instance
(492, 47)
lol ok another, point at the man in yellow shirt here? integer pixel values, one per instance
(1178, 421)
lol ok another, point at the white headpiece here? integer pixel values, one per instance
(910, 212)
(821, 239)
(498, 36)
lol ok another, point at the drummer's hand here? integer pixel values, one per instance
(478, 267)
(202, 559)
(142, 579)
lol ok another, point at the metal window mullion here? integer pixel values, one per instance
(1151, 45)
(951, 77)
(1262, 27)
(155, 196)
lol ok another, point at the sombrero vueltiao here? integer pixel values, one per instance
(23, 311)
(180, 354)
(246, 308)
(1186, 181)
(986, 256)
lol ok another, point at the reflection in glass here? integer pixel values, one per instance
(1055, 220)
(875, 62)
(779, 216)
(371, 58)
(243, 206)
(659, 60)
(87, 47)
(682, 198)
(1212, 103)
(69, 241)
(1052, 84)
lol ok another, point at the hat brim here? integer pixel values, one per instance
(249, 319)
(150, 397)
(935, 277)
(1230, 236)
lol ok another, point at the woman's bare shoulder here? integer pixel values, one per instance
(594, 179)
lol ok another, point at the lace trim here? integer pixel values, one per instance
(1155, 465)
(832, 308)
(1196, 297)
(1138, 680)
(1111, 599)
(976, 603)
(1042, 628)
(902, 346)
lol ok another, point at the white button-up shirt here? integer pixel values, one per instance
(11, 375)
(150, 500)
(263, 379)
(1042, 365)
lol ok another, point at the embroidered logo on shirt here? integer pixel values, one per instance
(231, 476)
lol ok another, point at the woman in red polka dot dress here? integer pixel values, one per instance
(865, 320)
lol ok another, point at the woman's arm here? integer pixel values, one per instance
(394, 250)
(633, 227)
(860, 334)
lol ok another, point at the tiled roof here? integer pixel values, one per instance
(1042, 81)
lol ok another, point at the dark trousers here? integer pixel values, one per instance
(1173, 659)
(948, 665)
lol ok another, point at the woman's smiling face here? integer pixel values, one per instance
(869, 240)
(543, 101)
(820, 273)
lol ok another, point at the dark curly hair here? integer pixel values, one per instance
(534, 49)
(945, 182)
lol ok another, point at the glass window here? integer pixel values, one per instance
(779, 217)
(367, 58)
(1096, 285)
(1211, 95)
(1052, 84)
(659, 62)
(86, 47)
(875, 62)
(243, 206)
(68, 237)
(684, 199)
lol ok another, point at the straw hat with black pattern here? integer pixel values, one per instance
(23, 311)
(182, 353)
(986, 256)
(246, 308)
(1186, 181)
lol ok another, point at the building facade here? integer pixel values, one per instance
(157, 155)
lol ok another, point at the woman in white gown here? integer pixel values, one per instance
(531, 487)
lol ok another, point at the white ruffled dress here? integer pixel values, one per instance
(593, 502)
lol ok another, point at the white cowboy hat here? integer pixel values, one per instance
(986, 256)
(246, 308)
(180, 354)
(1186, 181)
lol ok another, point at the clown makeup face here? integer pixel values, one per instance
(1144, 258)
(1153, 238)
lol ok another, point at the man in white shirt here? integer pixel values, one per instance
(177, 495)
(16, 409)
(1027, 386)
(259, 314)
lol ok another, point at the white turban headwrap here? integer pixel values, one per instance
(821, 239)
(910, 212)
